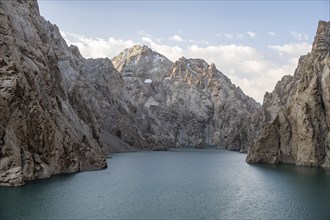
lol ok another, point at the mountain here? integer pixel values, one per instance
(294, 121)
(142, 62)
(63, 113)
(188, 102)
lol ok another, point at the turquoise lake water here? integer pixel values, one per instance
(178, 184)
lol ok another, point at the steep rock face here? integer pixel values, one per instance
(44, 128)
(272, 104)
(229, 105)
(97, 91)
(185, 103)
(142, 62)
(296, 114)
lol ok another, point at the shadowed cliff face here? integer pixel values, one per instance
(296, 115)
(45, 128)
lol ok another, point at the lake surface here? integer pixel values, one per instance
(178, 184)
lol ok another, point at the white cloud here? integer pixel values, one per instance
(146, 39)
(244, 65)
(229, 55)
(248, 68)
(230, 36)
(226, 35)
(176, 38)
(97, 47)
(239, 35)
(143, 33)
(299, 36)
(171, 52)
(251, 34)
(294, 49)
(270, 33)
(199, 41)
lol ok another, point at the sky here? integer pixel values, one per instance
(254, 43)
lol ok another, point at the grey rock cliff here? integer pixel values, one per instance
(142, 62)
(296, 115)
(97, 91)
(44, 128)
(188, 102)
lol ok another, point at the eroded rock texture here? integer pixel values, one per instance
(45, 127)
(295, 117)
(188, 102)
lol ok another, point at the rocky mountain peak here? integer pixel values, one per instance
(322, 38)
(196, 72)
(213, 67)
(75, 50)
(142, 62)
(196, 66)
(136, 50)
(134, 54)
